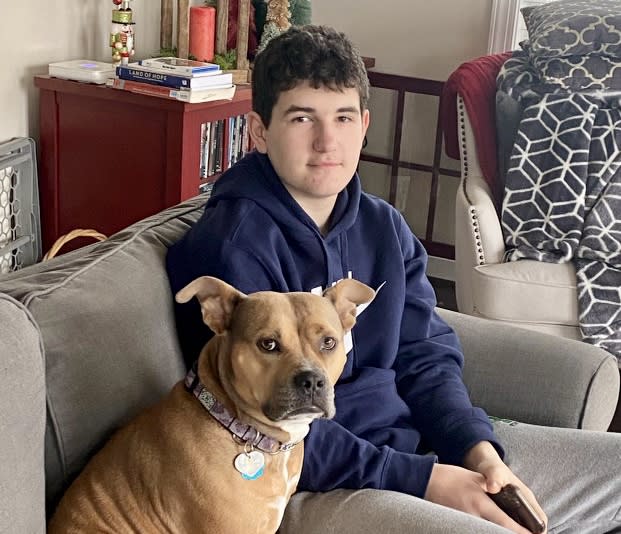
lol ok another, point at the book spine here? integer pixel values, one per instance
(180, 70)
(212, 148)
(201, 165)
(229, 148)
(144, 88)
(152, 77)
(196, 96)
(245, 141)
(219, 146)
(164, 70)
(207, 149)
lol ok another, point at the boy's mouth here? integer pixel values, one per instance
(325, 164)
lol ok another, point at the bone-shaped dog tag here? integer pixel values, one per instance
(250, 464)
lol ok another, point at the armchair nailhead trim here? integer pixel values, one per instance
(477, 234)
(464, 154)
(464, 157)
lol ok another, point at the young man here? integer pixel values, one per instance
(291, 216)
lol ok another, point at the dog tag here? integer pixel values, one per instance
(250, 464)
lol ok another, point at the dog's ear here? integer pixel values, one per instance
(346, 295)
(217, 299)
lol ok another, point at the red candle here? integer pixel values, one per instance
(202, 32)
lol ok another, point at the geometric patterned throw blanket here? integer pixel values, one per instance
(562, 198)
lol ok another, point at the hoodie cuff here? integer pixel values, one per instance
(464, 439)
(407, 473)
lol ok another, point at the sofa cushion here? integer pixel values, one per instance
(543, 292)
(22, 420)
(106, 320)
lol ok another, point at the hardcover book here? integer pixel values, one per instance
(185, 67)
(169, 71)
(192, 96)
(138, 73)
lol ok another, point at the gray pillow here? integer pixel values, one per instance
(574, 28)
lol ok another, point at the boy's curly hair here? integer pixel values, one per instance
(318, 55)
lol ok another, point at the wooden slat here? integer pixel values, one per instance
(183, 28)
(166, 23)
(433, 194)
(222, 22)
(396, 148)
(409, 165)
(242, 34)
(407, 84)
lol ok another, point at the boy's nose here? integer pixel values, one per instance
(325, 138)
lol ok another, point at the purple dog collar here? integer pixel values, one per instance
(245, 433)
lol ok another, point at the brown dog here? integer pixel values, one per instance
(222, 453)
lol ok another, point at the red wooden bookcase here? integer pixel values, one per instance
(108, 158)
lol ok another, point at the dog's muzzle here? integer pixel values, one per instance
(309, 393)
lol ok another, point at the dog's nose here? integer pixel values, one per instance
(309, 382)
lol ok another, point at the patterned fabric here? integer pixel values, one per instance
(576, 73)
(574, 28)
(562, 197)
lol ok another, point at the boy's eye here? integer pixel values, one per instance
(300, 119)
(345, 118)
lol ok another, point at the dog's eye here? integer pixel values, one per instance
(328, 343)
(269, 345)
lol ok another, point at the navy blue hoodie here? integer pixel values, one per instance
(401, 393)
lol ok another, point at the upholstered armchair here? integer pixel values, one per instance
(527, 293)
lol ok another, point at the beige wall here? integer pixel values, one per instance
(411, 37)
(415, 38)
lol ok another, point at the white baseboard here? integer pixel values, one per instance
(441, 268)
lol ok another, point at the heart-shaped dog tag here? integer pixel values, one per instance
(250, 464)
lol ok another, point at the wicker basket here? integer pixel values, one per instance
(64, 239)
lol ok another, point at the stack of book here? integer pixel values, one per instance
(175, 78)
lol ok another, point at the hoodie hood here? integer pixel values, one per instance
(267, 190)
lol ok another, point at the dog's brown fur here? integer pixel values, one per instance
(171, 468)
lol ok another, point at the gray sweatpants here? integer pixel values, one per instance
(575, 474)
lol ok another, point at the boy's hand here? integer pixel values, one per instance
(483, 458)
(466, 489)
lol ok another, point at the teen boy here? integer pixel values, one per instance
(291, 216)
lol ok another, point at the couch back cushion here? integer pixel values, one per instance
(106, 320)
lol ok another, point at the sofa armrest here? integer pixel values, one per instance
(536, 378)
(22, 421)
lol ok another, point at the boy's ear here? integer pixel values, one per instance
(257, 131)
(366, 118)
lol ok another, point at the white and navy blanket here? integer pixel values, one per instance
(562, 199)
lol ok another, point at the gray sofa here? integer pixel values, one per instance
(88, 339)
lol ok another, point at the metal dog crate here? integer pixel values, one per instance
(20, 232)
